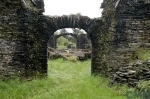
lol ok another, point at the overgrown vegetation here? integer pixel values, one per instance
(143, 54)
(62, 42)
(143, 86)
(66, 80)
(29, 5)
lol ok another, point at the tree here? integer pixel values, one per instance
(62, 42)
(76, 31)
(63, 30)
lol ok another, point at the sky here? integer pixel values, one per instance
(90, 8)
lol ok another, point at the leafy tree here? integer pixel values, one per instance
(63, 30)
(76, 31)
(62, 42)
(72, 39)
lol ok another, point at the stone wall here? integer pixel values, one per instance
(52, 41)
(21, 53)
(137, 37)
(115, 37)
(127, 31)
(24, 34)
(10, 40)
(83, 41)
(36, 44)
(132, 73)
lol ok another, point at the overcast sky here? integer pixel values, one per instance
(89, 8)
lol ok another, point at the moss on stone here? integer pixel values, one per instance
(30, 5)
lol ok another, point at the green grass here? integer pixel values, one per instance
(66, 80)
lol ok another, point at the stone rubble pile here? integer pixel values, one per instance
(132, 73)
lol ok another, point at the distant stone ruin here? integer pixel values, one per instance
(82, 40)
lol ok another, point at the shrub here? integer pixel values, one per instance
(143, 86)
(71, 58)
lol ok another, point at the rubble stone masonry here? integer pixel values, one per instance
(115, 37)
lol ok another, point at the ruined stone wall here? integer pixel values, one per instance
(23, 47)
(102, 39)
(83, 41)
(137, 38)
(128, 32)
(123, 28)
(52, 41)
(12, 49)
(36, 41)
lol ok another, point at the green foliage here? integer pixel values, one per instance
(72, 40)
(62, 42)
(76, 31)
(143, 54)
(66, 80)
(63, 30)
(29, 5)
(143, 86)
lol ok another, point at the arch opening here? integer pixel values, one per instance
(78, 44)
(47, 26)
(30, 35)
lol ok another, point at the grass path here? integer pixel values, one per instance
(66, 80)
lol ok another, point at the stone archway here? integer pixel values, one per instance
(91, 27)
(25, 34)
(25, 31)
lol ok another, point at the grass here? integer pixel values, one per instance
(66, 80)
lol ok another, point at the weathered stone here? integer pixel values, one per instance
(123, 28)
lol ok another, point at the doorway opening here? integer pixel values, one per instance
(68, 43)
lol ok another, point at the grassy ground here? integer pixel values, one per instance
(66, 80)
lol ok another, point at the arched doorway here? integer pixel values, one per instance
(47, 26)
(75, 43)
(79, 38)
(31, 35)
